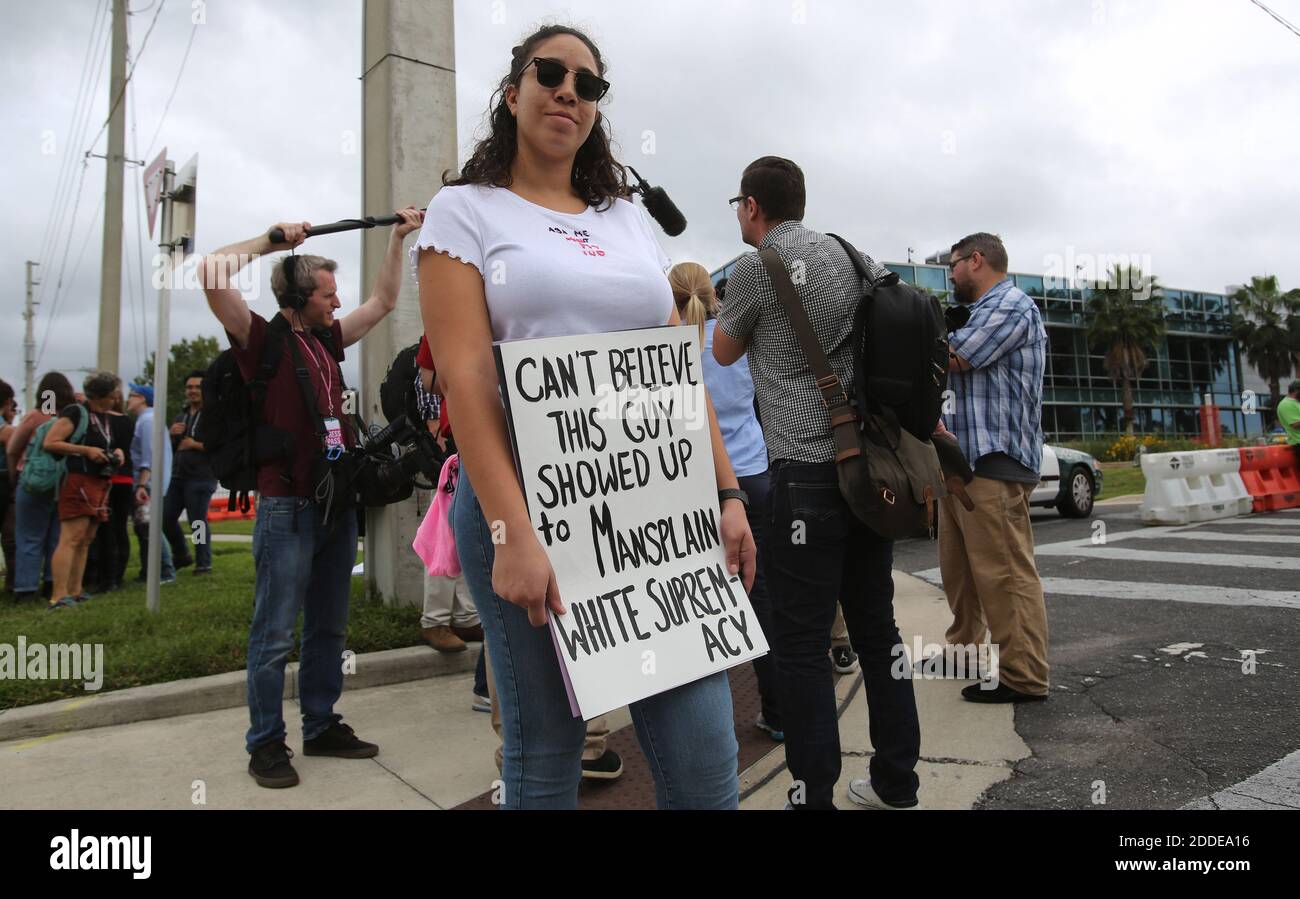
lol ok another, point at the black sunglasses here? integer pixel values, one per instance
(736, 201)
(550, 74)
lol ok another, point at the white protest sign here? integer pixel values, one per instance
(611, 438)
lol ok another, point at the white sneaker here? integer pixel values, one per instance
(482, 703)
(861, 792)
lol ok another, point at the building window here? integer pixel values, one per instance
(931, 278)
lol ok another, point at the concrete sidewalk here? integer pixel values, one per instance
(437, 753)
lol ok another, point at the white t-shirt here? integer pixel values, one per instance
(552, 274)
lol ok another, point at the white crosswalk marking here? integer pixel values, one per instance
(1196, 535)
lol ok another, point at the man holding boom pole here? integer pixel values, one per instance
(302, 556)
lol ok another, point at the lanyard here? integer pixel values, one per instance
(326, 375)
(106, 433)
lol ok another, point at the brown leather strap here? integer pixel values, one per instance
(828, 382)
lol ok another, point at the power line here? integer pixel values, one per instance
(168, 105)
(80, 113)
(65, 168)
(1284, 22)
(49, 324)
(122, 93)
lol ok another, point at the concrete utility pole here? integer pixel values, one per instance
(29, 342)
(408, 114)
(110, 281)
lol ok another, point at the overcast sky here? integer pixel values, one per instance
(1165, 129)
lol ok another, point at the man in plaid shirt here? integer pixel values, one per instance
(987, 555)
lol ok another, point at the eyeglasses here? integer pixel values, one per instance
(550, 74)
(736, 201)
(952, 263)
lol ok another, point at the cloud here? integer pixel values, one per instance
(1165, 127)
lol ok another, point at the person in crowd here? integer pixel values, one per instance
(546, 168)
(83, 498)
(844, 659)
(36, 517)
(140, 404)
(8, 412)
(732, 391)
(111, 551)
(192, 485)
(1288, 414)
(449, 621)
(302, 555)
(819, 553)
(986, 555)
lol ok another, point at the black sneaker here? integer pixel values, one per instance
(340, 742)
(204, 570)
(999, 694)
(608, 767)
(270, 767)
(845, 659)
(186, 562)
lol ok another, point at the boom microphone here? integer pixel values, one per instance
(370, 221)
(661, 209)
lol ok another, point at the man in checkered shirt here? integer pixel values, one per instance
(819, 553)
(986, 555)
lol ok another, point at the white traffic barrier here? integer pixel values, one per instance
(1201, 485)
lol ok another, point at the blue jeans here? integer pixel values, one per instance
(193, 497)
(166, 569)
(301, 565)
(687, 734)
(36, 526)
(839, 559)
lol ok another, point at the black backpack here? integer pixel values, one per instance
(891, 467)
(232, 428)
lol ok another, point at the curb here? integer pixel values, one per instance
(217, 691)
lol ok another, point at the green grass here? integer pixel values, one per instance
(234, 526)
(202, 628)
(1122, 481)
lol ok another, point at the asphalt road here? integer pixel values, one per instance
(1149, 703)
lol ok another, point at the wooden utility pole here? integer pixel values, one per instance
(110, 281)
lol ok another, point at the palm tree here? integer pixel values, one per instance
(1126, 317)
(1266, 327)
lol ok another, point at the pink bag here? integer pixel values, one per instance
(435, 541)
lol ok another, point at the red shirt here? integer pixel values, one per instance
(285, 407)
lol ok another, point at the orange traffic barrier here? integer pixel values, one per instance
(1272, 476)
(217, 510)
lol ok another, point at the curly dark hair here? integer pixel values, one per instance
(597, 177)
(54, 386)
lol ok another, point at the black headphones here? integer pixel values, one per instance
(293, 297)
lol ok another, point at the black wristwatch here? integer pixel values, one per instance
(733, 493)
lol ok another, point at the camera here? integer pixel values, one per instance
(391, 464)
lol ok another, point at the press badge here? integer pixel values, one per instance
(333, 439)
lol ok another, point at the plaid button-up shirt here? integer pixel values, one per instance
(999, 402)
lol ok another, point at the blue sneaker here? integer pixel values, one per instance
(67, 602)
(761, 724)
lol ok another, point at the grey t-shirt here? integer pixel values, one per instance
(1001, 467)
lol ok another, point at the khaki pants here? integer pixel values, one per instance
(987, 560)
(839, 630)
(597, 729)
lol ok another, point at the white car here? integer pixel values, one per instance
(1069, 481)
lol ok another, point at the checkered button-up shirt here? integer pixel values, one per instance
(999, 403)
(796, 425)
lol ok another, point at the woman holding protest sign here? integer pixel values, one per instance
(534, 240)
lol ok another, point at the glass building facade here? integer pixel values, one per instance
(1196, 357)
